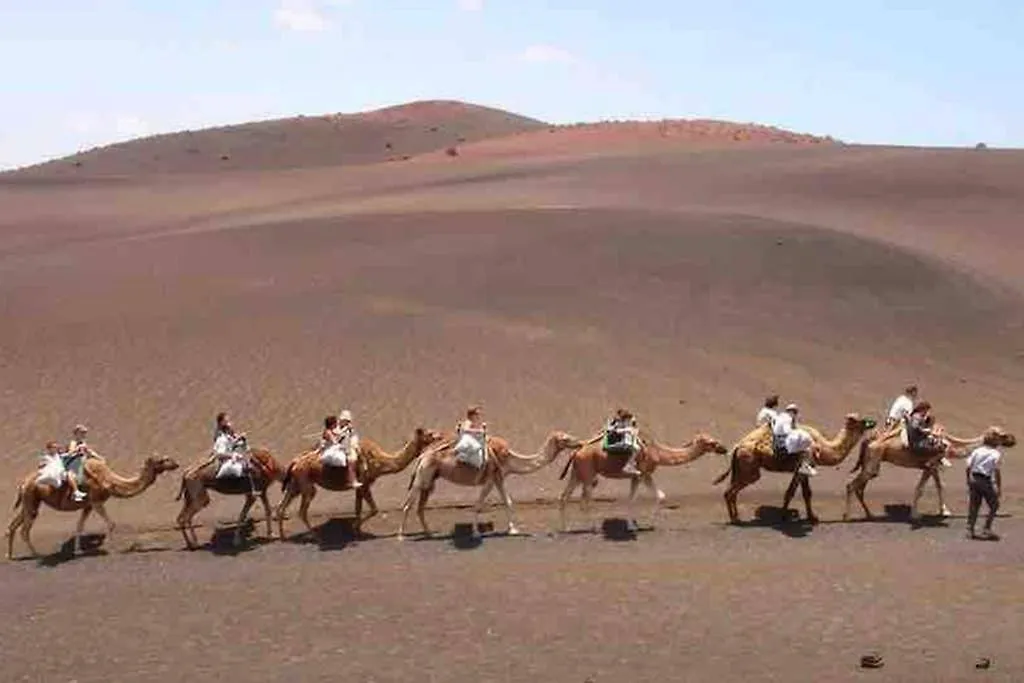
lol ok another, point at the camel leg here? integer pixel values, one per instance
(101, 510)
(585, 503)
(195, 499)
(421, 511)
(790, 492)
(634, 486)
(499, 483)
(856, 487)
(943, 510)
(658, 494)
(733, 492)
(484, 492)
(406, 506)
(266, 511)
(805, 489)
(918, 490)
(250, 500)
(76, 549)
(12, 529)
(308, 494)
(365, 494)
(563, 500)
(282, 508)
(28, 519)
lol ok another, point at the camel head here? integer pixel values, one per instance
(160, 464)
(1001, 437)
(708, 444)
(561, 441)
(425, 437)
(859, 425)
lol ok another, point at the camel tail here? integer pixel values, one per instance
(732, 468)
(861, 456)
(18, 497)
(287, 477)
(181, 490)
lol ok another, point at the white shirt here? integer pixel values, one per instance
(984, 460)
(766, 416)
(224, 444)
(901, 407)
(783, 424)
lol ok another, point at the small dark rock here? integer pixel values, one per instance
(872, 661)
(983, 663)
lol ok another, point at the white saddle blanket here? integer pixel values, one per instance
(51, 471)
(470, 451)
(334, 456)
(232, 467)
(798, 441)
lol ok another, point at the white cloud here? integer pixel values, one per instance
(547, 54)
(471, 5)
(303, 16)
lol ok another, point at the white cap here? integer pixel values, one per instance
(345, 415)
(792, 408)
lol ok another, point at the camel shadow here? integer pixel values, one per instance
(899, 513)
(617, 530)
(90, 544)
(336, 533)
(222, 543)
(788, 522)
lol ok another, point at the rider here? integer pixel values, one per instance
(58, 461)
(902, 406)
(74, 459)
(228, 444)
(768, 413)
(791, 440)
(471, 437)
(623, 424)
(921, 436)
(348, 440)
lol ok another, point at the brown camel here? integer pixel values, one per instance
(306, 473)
(754, 452)
(888, 447)
(31, 495)
(439, 461)
(198, 480)
(591, 461)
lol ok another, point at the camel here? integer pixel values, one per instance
(31, 495)
(592, 461)
(305, 473)
(197, 480)
(754, 452)
(439, 461)
(888, 447)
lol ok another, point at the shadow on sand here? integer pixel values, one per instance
(789, 522)
(222, 543)
(337, 533)
(91, 547)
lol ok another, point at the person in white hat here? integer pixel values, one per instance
(791, 440)
(348, 440)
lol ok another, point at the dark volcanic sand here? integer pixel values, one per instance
(685, 285)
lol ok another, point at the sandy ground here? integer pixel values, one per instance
(683, 283)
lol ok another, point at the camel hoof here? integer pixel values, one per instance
(400, 537)
(513, 531)
(945, 512)
(813, 519)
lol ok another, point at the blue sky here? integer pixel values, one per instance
(79, 73)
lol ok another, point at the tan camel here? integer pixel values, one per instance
(592, 461)
(31, 495)
(306, 473)
(439, 461)
(754, 452)
(198, 480)
(888, 447)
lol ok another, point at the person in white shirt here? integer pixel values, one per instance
(471, 439)
(984, 483)
(348, 441)
(788, 439)
(902, 406)
(768, 413)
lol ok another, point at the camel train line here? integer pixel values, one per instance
(469, 456)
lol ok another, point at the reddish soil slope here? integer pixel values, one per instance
(328, 140)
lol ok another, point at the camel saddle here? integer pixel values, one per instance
(619, 443)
